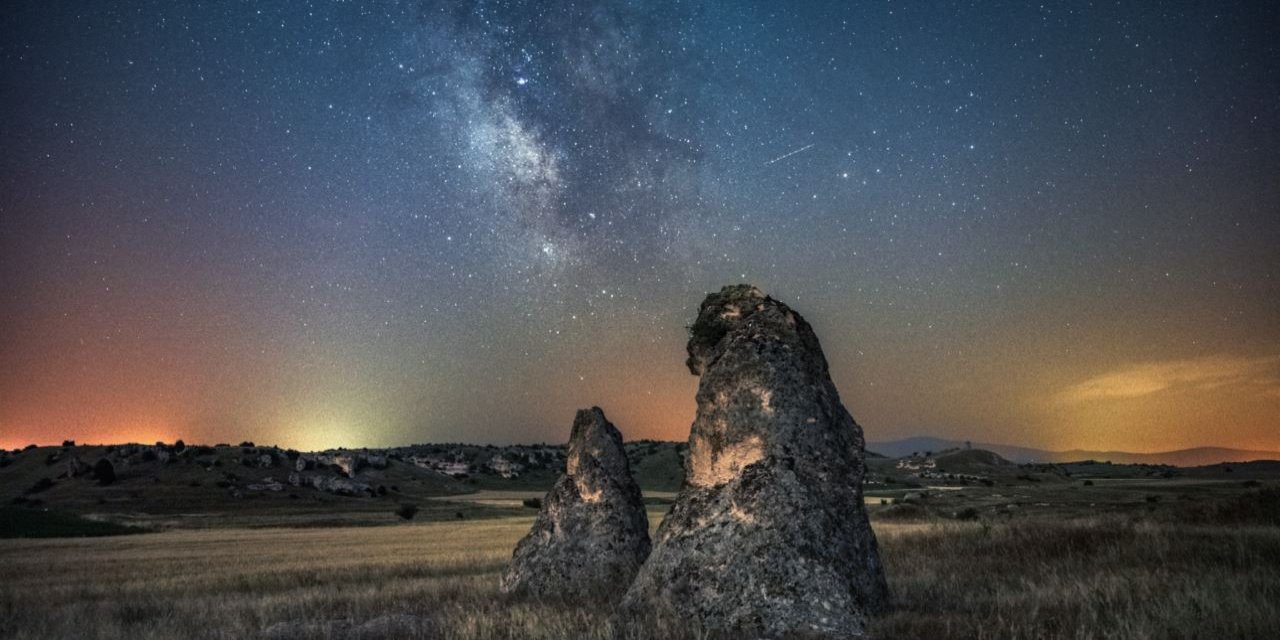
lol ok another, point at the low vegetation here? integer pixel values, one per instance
(1112, 576)
(19, 522)
(1082, 552)
(407, 511)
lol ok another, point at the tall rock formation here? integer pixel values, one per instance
(769, 536)
(592, 533)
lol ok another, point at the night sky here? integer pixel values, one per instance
(329, 224)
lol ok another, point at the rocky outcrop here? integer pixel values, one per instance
(592, 533)
(76, 467)
(348, 463)
(332, 484)
(769, 536)
(267, 484)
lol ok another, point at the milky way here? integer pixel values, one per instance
(345, 223)
(558, 115)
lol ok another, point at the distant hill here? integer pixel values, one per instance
(202, 480)
(1196, 457)
(970, 460)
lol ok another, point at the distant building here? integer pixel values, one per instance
(916, 464)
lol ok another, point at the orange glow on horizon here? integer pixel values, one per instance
(102, 433)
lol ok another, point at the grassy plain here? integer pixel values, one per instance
(1087, 551)
(1111, 576)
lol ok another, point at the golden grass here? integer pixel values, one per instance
(1079, 579)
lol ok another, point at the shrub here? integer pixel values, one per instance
(407, 511)
(902, 512)
(68, 443)
(532, 503)
(967, 513)
(1153, 499)
(104, 472)
(1088, 483)
(149, 456)
(179, 446)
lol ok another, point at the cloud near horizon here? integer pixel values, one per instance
(1194, 374)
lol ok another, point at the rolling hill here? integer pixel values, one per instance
(1195, 457)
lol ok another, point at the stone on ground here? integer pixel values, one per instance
(769, 536)
(592, 533)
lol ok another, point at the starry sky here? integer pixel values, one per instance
(325, 224)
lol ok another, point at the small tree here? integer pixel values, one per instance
(104, 472)
(407, 511)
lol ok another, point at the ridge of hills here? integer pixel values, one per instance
(177, 485)
(1192, 457)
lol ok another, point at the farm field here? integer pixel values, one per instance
(1111, 576)
(988, 549)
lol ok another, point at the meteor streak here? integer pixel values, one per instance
(788, 155)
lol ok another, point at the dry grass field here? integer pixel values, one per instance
(1098, 577)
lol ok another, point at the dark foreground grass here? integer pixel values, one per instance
(1080, 579)
(1112, 577)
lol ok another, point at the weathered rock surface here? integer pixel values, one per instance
(76, 467)
(769, 536)
(592, 533)
(349, 463)
(267, 484)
